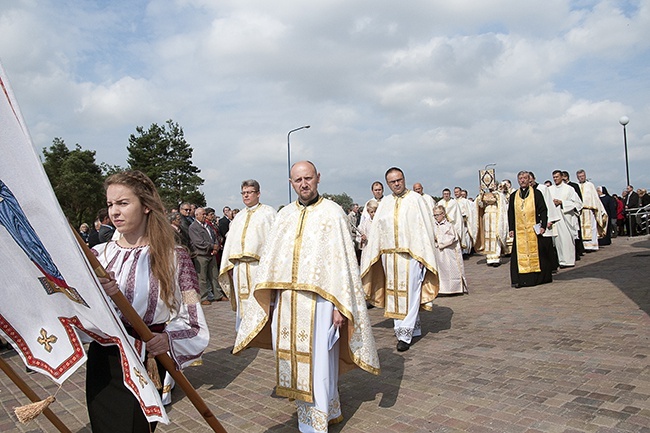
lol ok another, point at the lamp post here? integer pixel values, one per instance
(289, 154)
(624, 121)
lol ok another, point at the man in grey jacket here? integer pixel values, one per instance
(205, 246)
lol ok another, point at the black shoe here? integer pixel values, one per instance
(402, 346)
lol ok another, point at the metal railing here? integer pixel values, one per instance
(638, 218)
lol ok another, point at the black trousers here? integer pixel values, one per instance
(111, 406)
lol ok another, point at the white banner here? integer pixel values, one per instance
(50, 295)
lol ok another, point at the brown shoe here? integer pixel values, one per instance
(206, 303)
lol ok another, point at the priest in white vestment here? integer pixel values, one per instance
(308, 304)
(243, 248)
(593, 219)
(569, 205)
(451, 270)
(417, 187)
(398, 266)
(505, 189)
(470, 227)
(454, 214)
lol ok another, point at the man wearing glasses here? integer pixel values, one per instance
(185, 210)
(398, 266)
(243, 248)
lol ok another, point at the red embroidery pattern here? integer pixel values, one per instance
(126, 367)
(187, 278)
(54, 371)
(152, 298)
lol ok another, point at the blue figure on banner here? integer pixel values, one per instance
(15, 221)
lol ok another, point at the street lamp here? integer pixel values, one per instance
(289, 154)
(624, 121)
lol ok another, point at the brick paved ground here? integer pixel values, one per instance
(571, 356)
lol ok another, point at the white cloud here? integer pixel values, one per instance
(440, 89)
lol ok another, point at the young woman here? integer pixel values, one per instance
(159, 280)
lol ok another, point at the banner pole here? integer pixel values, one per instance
(30, 394)
(145, 333)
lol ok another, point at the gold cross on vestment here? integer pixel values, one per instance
(141, 378)
(46, 341)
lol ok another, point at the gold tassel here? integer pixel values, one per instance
(30, 411)
(152, 371)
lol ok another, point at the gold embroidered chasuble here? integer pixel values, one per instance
(309, 253)
(492, 209)
(243, 247)
(401, 230)
(591, 204)
(525, 219)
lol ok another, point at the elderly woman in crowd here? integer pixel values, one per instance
(451, 270)
(364, 225)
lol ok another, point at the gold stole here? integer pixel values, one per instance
(294, 333)
(244, 277)
(397, 265)
(294, 344)
(244, 283)
(527, 252)
(397, 289)
(585, 222)
(585, 219)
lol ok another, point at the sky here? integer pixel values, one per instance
(440, 89)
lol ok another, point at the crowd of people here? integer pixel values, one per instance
(300, 280)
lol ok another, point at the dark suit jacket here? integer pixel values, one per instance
(105, 233)
(645, 200)
(632, 200)
(224, 226)
(202, 242)
(577, 188)
(93, 238)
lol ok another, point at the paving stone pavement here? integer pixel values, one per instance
(571, 356)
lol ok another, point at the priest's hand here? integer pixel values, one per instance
(511, 234)
(338, 319)
(109, 284)
(159, 344)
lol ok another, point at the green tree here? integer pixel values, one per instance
(76, 179)
(165, 156)
(108, 169)
(343, 200)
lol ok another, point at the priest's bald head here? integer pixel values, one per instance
(304, 180)
(417, 187)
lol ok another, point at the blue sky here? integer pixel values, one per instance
(440, 89)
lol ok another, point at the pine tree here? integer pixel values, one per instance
(76, 180)
(163, 154)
